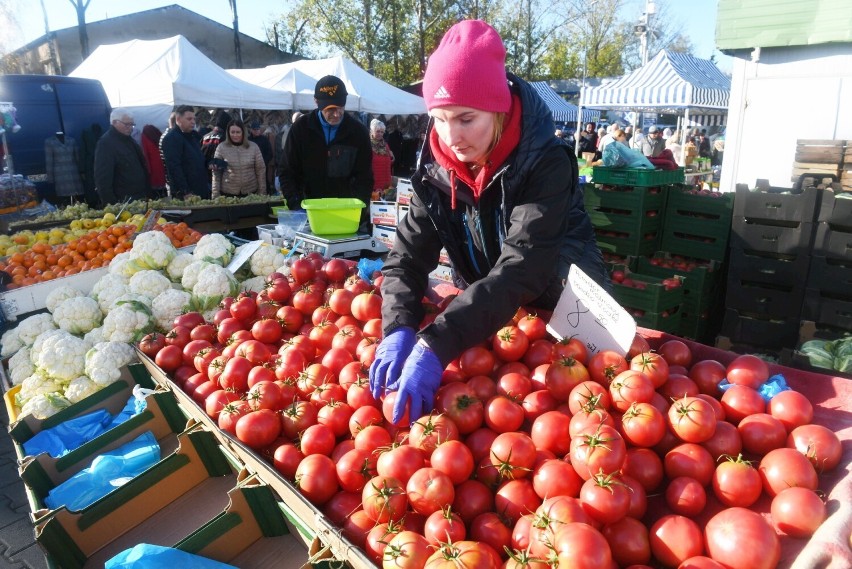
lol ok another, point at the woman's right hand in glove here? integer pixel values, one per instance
(390, 358)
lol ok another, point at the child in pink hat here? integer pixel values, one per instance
(500, 194)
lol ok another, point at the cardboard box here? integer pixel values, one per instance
(162, 506)
(442, 273)
(385, 235)
(383, 213)
(401, 212)
(404, 191)
(444, 257)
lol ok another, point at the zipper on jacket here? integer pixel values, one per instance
(470, 251)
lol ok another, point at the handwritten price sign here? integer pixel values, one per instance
(586, 311)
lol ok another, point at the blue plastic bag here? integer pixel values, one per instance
(135, 405)
(107, 472)
(769, 389)
(146, 556)
(366, 268)
(618, 155)
(63, 438)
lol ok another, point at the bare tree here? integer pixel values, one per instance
(81, 6)
(238, 54)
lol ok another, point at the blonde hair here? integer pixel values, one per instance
(617, 132)
(499, 125)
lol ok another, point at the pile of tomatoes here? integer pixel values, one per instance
(538, 454)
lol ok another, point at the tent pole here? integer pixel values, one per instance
(685, 126)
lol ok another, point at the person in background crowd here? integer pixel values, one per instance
(619, 136)
(151, 136)
(382, 157)
(327, 153)
(653, 144)
(243, 171)
(667, 133)
(637, 139)
(703, 144)
(628, 134)
(120, 168)
(257, 136)
(213, 138)
(63, 167)
(500, 193)
(186, 172)
(673, 144)
(89, 141)
(589, 139)
(718, 150)
(605, 140)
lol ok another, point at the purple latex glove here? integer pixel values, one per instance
(390, 358)
(421, 377)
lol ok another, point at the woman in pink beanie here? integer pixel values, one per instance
(500, 193)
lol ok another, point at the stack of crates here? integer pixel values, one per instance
(697, 224)
(649, 301)
(771, 237)
(626, 207)
(828, 292)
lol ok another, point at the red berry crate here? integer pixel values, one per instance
(647, 293)
(626, 243)
(700, 276)
(630, 198)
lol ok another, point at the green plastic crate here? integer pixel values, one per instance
(699, 282)
(614, 219)
(634, 199)
(692, 238)
(627, 243)
(653, 298)
(333, 216)
(637, 176)
(670, 322)
(718, 206)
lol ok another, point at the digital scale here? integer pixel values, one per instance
(336, 245)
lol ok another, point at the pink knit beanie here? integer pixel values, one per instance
(468, 69)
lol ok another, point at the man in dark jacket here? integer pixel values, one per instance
(120, 170)
(327, 153)
(185, 170)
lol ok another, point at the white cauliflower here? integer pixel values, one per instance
(178, 264)
(152, 250)
(123, 265)
(105, 360)
(39, 383)
(10, 343)
(108, 289)
(214, 248)
(191, 272)
(35, 349)
(214, 284)
(168, 305)
(43, 406)
(254, 284)
(20, 366)
(266, 259)
(95, 336)
(149, 283)
(63, 356)
(79, 388)
(59, 294)
(30, 328)
(127, 322)
(78, 315)
(131, 296)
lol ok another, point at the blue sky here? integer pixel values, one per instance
(696, 18)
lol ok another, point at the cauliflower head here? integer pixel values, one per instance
(36, 348)
(191, 272)
(214, 284)
(123, 265)
(214, 248)
(60, 294)
(152, 250)
(79, 388)
(105, 360)
(149, 283)
(168, 305)
(43, 406)
(94, 336)
(78, 315)
(30, 328)
(177, 266)
(39, 383)
(130, 296)
(266, 259)
(10, 343)
(108, 289)
(20, 366)
(254, 284)
(63, 356)
(127, 322)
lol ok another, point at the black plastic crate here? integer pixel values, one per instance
(756, 330)
(836, 210)
(759, 298)
(767, 268)
(204, 214)
(776, 239)
(630, 198)
(827, 309)
(831, 241)
(739, 347)
(627, 243)
(829, 275)
(773, 204)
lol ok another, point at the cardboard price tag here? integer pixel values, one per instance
(245, 253)
(151, 220)
(586, 311)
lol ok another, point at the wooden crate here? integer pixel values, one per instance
(818, 158)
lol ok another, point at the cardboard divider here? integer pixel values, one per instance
(161, 506)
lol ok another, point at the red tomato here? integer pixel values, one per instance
(316, 478)
(605, 365)
(601, 449)
(458, 401)
(431, 430)
(169, 358)
(265, 395)
(215, 401)
(267, 331)
(354, 469)
(638, 346)
(429, 490)
(563, 375)
(644, 466)
(384, 499)
(605, 498)
(514, 385)
(798, 512)
(510, 344)
(589, 395)
(628, 541)
(580, 546)
(707, 374)
(674, 539)
(571, 348)
(630, 387)
(686, 496)
(188, 320)
(725, 441)
(317, 439)
(692, 419)
(653, 366)
(689, 459)
(550, 431)
(748, 370)
(407, 550)
(444, 526)
(453, 458)
(533, 326)
(676, 353)
(503, 415)
(741, 539)
(366, 306)
(820, 444)
(643, 425)
(736, 482)
(740, 401)
(286, 459)
(556, 477)
(401, 462)
(476, 361)
(258, 429)
(784, 468)
(463, 554)
(761, 433)
(514, 498)
(297, 417)
(152, 343)
(472, 499)
(513, 454)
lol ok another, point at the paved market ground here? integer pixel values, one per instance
(18, 549)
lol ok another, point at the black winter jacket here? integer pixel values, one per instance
(514, 248)
(120, 169)
(312, 169)
(184, 162)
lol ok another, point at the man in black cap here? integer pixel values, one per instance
(327, 153)
(256, 135)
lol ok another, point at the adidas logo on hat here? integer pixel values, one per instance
(442, 93)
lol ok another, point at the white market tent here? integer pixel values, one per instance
(151, 77)
(367, 93)
(562, 110)
(671, 82)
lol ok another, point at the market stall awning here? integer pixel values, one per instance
(671, 82)
(562, 110)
